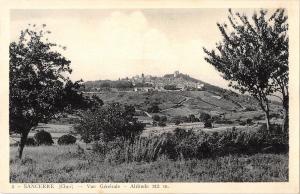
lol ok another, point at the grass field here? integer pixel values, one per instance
(72, 164)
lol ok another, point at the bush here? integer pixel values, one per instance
(163, 119)
(156, 117)
(43, 138)
(153, 109)
(208, 124)
(250, 108)
(31, 141)
(170, 87)
(249, 122)
(204, 117)
(109, 122)
(66, 140)
(192, 118)
(186, 144)
(243, 123)
(177, 122)
(224, 121)
(161, 124)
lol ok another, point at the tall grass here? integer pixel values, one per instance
(69, 164)
(190, 145)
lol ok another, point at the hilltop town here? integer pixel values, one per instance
(176, 81)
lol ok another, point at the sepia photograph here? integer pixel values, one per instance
(149, 95)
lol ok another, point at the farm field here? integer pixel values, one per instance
(71, 164)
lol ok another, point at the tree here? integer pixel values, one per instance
(109, 122)
(156, 117)
(204, 117)
(192, 118)
(253, 56)
(170, 87)
(37, 85)
(154, 108)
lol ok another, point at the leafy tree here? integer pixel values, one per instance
(253, 56)
(109, 122)
(192, 118)
(154, 108)
(204, 117)
(37, 85)
(170, 87)
(156, 117)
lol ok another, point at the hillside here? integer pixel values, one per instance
(187, 96)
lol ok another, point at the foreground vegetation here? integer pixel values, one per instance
(72, 164)
(184, 155)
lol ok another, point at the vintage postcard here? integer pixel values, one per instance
(161, 96)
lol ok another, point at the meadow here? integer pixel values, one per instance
(73, 164)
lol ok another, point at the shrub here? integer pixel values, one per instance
(66, 140)
(243, 123)
(156, 117)
(154, 123)
(163, 119)
(31, 141)
(224, 121)
(249, 121)
(204, 117)
(208, 124)
(192, 118)
(182, 133)
(109, 122)
(161, 124)
(186, 144)
(43, 138)
(153, 109)
(170, 87)
(177, 122)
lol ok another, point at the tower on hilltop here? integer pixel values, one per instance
(176, 73)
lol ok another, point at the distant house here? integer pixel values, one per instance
(217, 97)
(144, 119)
(200, 86)
(143, 89)
(181, 87)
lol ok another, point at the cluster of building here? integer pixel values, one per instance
(147, 83)
(150, 83)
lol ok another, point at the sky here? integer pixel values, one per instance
(119, 43)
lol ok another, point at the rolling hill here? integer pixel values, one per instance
(185, 100)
